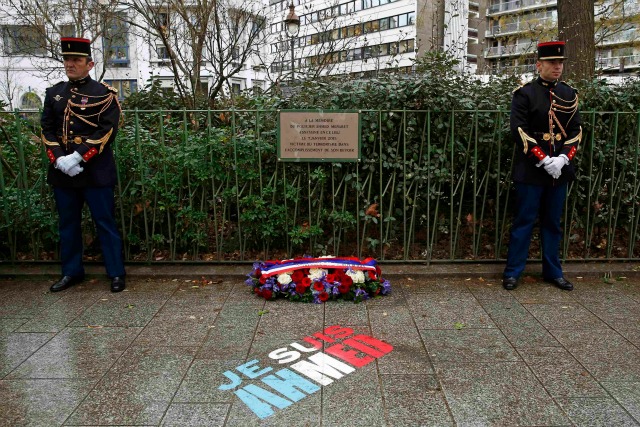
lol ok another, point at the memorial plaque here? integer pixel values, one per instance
(316, 136)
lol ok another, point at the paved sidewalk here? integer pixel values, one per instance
(441, 350)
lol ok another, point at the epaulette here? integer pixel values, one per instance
(111, 88)
(568, 85)
(520, 87)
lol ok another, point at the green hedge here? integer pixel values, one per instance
(434, 182)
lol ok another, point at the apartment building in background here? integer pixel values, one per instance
(513, 28)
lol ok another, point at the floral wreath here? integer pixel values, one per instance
(318, 279)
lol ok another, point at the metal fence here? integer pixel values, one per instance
(432, 186)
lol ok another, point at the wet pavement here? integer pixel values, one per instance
(191, 346)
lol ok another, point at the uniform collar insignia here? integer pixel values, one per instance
(81, 81)
(57, 97)
(546, 83)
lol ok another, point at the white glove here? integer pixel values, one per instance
(554, 167)
(75, 170)
(544, 162)
(65, 163)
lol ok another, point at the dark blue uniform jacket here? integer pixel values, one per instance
(81, 116)
(545, 121)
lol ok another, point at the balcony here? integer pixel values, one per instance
(518, 5)
(510, 50)
(521, 26)
(618, 62)
(626, 36)
(612, 10)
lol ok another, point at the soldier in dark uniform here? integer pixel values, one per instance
(79, 123)
(545, 125)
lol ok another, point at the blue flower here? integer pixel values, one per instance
(386, 287)
(361, 293)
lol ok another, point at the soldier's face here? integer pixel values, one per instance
(550, 70)
(77, 67)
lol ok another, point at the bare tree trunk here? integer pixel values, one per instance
(576, 27)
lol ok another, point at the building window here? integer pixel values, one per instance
(23, 40)
(30, 101)
(67, 30)
(124, 87)
(116, 44)
(162, 52)
(236, 88)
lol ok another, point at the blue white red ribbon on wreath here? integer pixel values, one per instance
(271, 268)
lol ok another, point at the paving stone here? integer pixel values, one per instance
(446, 285)
(627, 394)
(177, 330)
(560, 373)
(565, 316)
(291, 322)
(122, 309)
(442, 311)
(505, 394)
(151, 284)
(9, 325)
(632, 335)
(408, 356)
(60, 314)
(618, 314)
(341, 406)
(77, 353)
(231, 336)
(597, 412)
(468, 346)
(490, 290)
(195, 415)
(16, 348)
(520, 327)
(304, 413)
(604, 353)
(346, 313)
(138, 389)
(36, 403)
(26, 300)
(415, 400)
(540, 292)
(203, 379)
(194, 302)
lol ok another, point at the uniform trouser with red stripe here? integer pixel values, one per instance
(69, 202)
(533, 202)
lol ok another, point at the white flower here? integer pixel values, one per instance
(356, 275)
(317, 273)
(284, 278)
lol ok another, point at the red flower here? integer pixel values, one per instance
(297, 276)
(257, 291)
(263, 280)
(372, 275)
(257, 272)
(323, 296)
(378, 271)
(346, 280)
(267, 294)
(306, 282)
(331, 278)
(300, 289)
(318, 286)
(339, 274)
(343, 288)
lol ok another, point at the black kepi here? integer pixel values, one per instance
(551, 50)
(75, 46)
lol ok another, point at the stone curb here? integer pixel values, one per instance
(392, 271)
